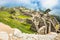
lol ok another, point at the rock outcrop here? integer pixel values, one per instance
(16, 34)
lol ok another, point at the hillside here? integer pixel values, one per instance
(7, 16)
(29, 21)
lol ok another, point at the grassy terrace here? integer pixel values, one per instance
(23, 16)
(5, 18)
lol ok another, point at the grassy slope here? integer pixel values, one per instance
(24, 27)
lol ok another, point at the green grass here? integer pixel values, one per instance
(5, 18)
(23, 16)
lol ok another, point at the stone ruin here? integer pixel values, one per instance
(43, 23)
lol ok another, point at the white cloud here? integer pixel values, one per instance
(2, 2)
(43, 3)
(23, 1)
(27, 3)
(48, 3)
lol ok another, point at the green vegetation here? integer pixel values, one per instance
(23, 16)
(24, 27)
(17, 18)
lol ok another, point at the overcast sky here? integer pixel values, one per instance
(33, 4)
